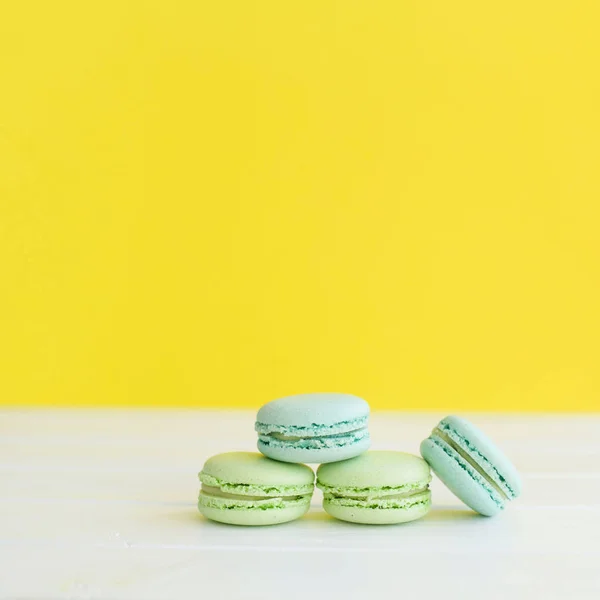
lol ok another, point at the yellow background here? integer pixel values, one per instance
(219, 203)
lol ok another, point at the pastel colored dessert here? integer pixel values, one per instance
(246, 488)
(376, 488)
(471, 466)
(313, 428)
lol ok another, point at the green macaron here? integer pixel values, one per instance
(247, 488)
(377, 487)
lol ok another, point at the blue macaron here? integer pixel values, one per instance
(471, 465)
(313, 428)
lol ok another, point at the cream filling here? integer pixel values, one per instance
(383, 497)
(293, 438)
(210, 490)
(467, 457)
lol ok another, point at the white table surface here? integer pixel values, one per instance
(102, 504)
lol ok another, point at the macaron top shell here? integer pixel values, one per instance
(252, 469)
(489, 457)
(310, 410)
(376, 469)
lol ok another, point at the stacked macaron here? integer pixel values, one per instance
(360, 486)
(313, 428)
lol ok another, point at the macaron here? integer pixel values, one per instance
(313, 428)
(246, 488)
(471, 465)
(376, 488)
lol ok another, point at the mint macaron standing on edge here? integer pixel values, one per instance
(471, 466)
(247, 488)
(313, 428)
(376, 488)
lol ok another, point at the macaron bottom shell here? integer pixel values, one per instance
(368, 513)
(461, 478)
(295, 453)
(254, 516)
